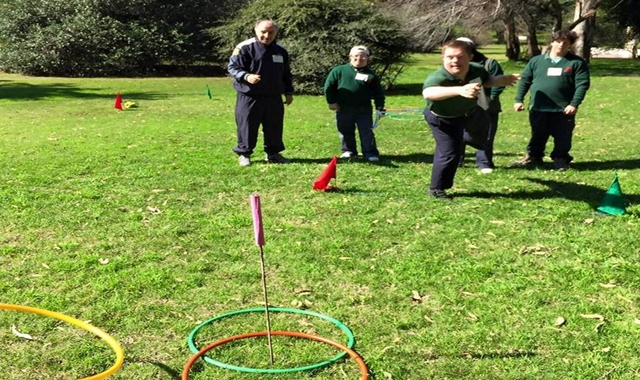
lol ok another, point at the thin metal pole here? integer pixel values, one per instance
(266, 305)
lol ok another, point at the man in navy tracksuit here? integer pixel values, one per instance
(262, 75)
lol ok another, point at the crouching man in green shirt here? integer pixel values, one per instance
(452, 95)
(558, 81)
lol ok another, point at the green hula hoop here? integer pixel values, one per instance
(347, 331)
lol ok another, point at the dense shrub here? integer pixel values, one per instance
(319, 34)
(104, 37)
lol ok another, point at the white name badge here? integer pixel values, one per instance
(360, 76)
(554, 71)
(278, 59)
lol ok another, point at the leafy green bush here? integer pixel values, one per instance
(104, 37)
(318, 35)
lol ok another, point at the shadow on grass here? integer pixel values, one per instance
(385, 160)
(405, 89)
(323, 160)
(487, 355)
(604, 165)
(23, 91)
(409, 158)
(173, 374)
(571, 191)
(589, 165)
(368, 193)
(614, 67)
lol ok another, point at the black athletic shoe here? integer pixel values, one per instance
(560, 164)
(440, 194)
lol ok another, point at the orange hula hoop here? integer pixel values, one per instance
(115, 346)
(364, 371)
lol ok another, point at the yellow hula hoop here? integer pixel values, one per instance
(83, 325)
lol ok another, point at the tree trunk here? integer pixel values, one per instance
(532, 40)
(586, 28)
(557, 15)
(511, 39)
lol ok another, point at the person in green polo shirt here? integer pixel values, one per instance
(349, 89)
(451, 93)
(558, 82)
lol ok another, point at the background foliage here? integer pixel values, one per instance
(104, 37)
(140, 37)
(318, 35)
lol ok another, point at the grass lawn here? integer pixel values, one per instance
(139, 222)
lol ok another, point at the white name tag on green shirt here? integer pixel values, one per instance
(360, 76)
(278, 59)
(554, 71)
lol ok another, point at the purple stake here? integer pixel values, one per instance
(259, 236)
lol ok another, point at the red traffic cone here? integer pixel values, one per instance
(118, 104)
(322, 182)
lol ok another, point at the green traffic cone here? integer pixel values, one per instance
(613, 201)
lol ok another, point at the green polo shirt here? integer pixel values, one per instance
(455, 106)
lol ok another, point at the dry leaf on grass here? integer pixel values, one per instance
(472, 317)
(103, 261)
(153, 210)
(610, 284)
(636, 321)
(598, 326)
(560, 321)
(593, 316)
(19, 334)
(416, 297)
(536, 249)
(304, 304)
(589, 221)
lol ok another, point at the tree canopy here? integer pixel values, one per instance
(318, 35)
(104, 37)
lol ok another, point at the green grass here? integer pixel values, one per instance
(139, 222)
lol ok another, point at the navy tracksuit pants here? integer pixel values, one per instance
(554, 124)
(251, 111)
(449, 136)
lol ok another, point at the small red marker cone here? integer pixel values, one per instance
(118, 104)
(322, 182)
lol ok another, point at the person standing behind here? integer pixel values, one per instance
(451, 93)
(489, 100)
(262, 75)
(349, 89)
(558, 81)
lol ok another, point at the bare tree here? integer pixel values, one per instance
(584, 25)
(511, 39)
(431, 22)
